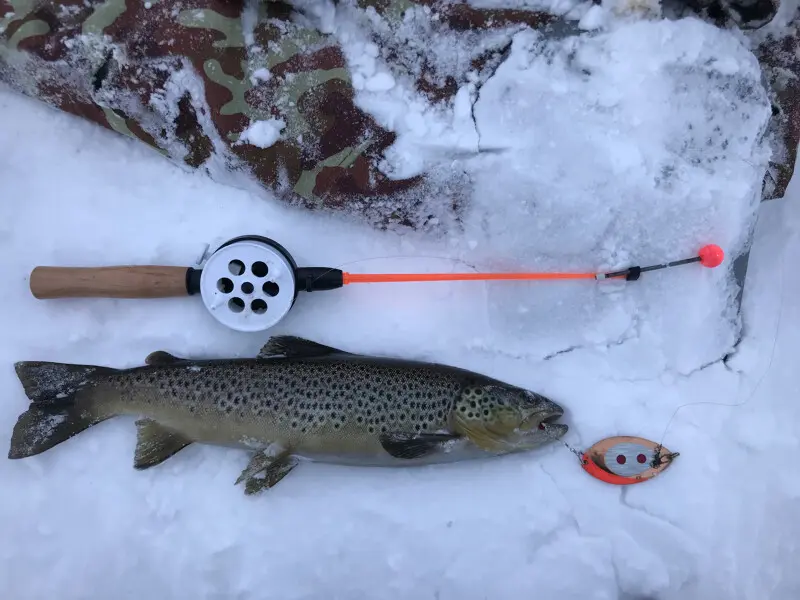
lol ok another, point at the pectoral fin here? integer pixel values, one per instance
(481, 435)
(414, 445)
(264, 472)
(156, 443)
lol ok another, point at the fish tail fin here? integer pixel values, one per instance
(58, 410)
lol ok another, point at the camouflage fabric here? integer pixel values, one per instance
(188, 77)
(780, 59)
(133, 67)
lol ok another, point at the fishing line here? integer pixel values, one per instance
(360, 260)
(661, 460)
(763, 375)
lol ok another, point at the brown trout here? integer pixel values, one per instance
(296, 400)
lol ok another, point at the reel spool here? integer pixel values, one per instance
(248, 284)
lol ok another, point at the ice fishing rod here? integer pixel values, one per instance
(251, 282)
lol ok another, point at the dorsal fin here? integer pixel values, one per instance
(292, 346)
(160, 357)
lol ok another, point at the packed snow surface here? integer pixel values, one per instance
(633, 146)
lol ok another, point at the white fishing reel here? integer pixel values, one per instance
(248, 284)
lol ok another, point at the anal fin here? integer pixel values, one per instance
(156, 443)
(273, 470)
(414, 445)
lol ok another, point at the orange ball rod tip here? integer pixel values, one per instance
(711, 256)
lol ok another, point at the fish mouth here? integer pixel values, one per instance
(546, 421)
(547, 415)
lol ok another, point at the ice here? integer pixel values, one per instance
(603, 174)
(635, 145)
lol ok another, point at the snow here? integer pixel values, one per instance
(263, 133)
(78, 521)
(260, 75)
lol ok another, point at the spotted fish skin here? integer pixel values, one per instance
(303, 403)
(297, 399)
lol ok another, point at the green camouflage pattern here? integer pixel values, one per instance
(184, 77)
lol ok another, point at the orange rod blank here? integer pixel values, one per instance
(348, 278)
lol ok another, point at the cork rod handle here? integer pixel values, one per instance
(147, 281)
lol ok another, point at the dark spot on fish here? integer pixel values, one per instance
(462, 408)
(371, 429)
(229, 409)
(336, 426)
(192, 408)
(418, 427)
(349, 406)
(360, 404)
(230, 395)
(294, 424)
(470, 414)
(236, 400)
(384, 429)
(360, 419)
(289, 402)
(327, 406)
(485, 412)
(369, 412)
(302, 406)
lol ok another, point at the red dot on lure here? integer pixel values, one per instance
(711, 256)
(623, 460)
